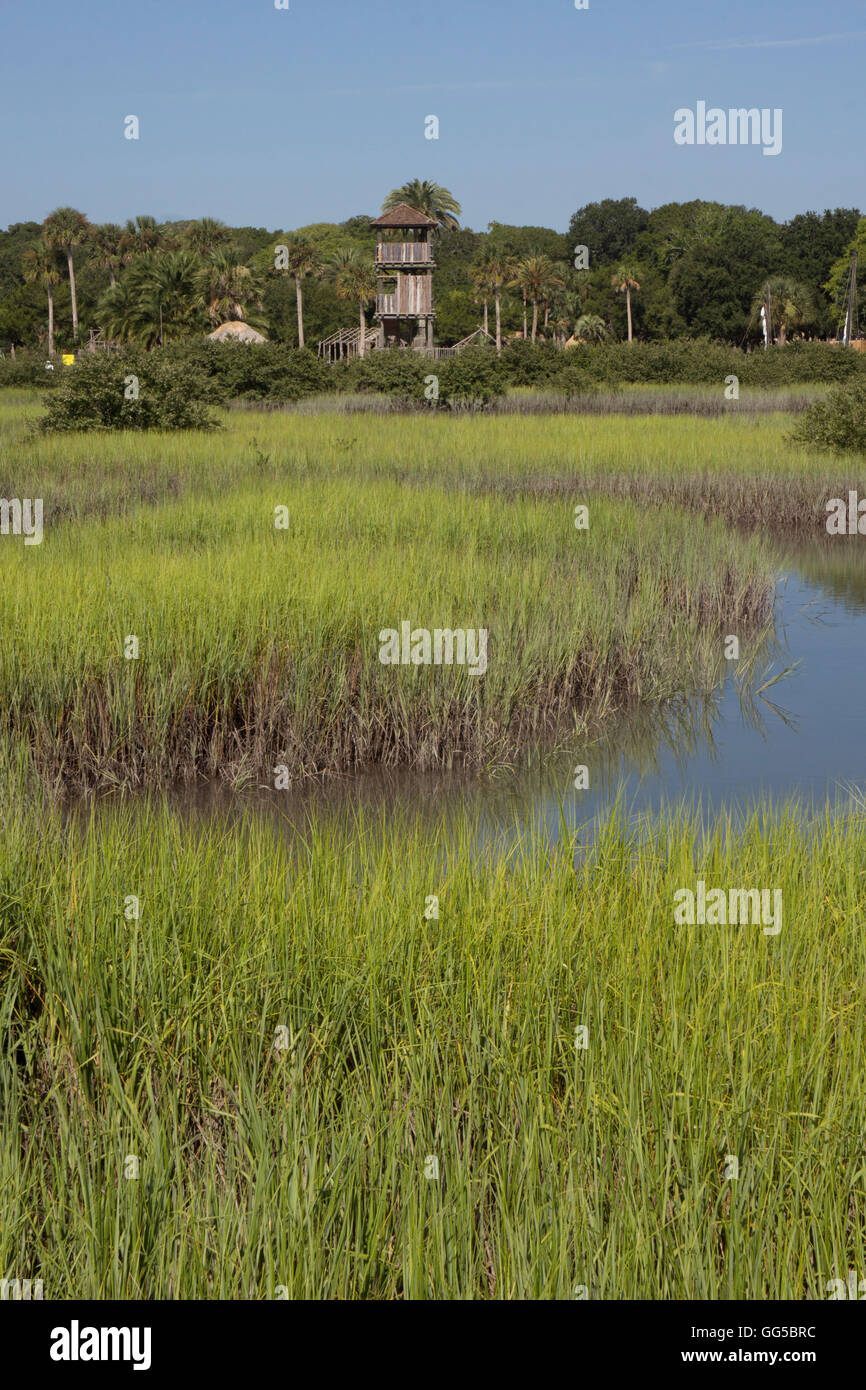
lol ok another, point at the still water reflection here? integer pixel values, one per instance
(793, 728)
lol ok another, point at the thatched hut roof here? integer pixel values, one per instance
(236, 332)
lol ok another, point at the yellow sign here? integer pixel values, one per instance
(68, 358)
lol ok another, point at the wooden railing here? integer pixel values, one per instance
(404, 253)
(344, 343)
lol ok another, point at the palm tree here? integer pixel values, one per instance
(120, 310)
(172, 298)
(304, 260)
(538, 278)
(792, 304)
(520, 283)
(143, 234)
(354, 278)
(40, 268)
(561, 325)
(109, 243)
(501, 269)
(205, 235)
(624, 281)
(158, 300)
(65, 228)
(226, 284)
(437, 202)
(590, 328)
(482, 284)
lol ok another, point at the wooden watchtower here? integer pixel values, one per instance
(404, 268)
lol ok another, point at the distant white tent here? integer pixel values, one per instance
(236, 332)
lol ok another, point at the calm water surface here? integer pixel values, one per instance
(803, 736)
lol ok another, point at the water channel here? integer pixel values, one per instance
(802, 736)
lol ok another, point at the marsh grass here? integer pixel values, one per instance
(408, 1038)
(696, 401)
(754, 450)
(153, 1036)
(259, 647)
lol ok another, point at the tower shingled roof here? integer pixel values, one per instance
(404, 216)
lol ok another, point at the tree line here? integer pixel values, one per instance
(621, 272)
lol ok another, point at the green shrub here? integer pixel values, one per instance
(28, 369)
(530, 364)
(307, 375)
(130, 391)
(216, 373)
(802, 363)
(574, 374)
(474, 378)
(837, 423)
(393, 373)
(252, 371)
(701, 362)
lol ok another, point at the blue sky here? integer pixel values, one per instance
(280, 118)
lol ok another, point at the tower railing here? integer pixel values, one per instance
(404, 253)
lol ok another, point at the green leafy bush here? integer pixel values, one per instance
(473, 378)
(253, 371)
(28, 369)
(837, 423)
(530, 364)
(185, 376)
(307, 375)
(701, 362)
(400, 375)
(573, 379)
(132, 391)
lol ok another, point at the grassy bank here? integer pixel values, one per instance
(259, 647)
(296, 1159)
